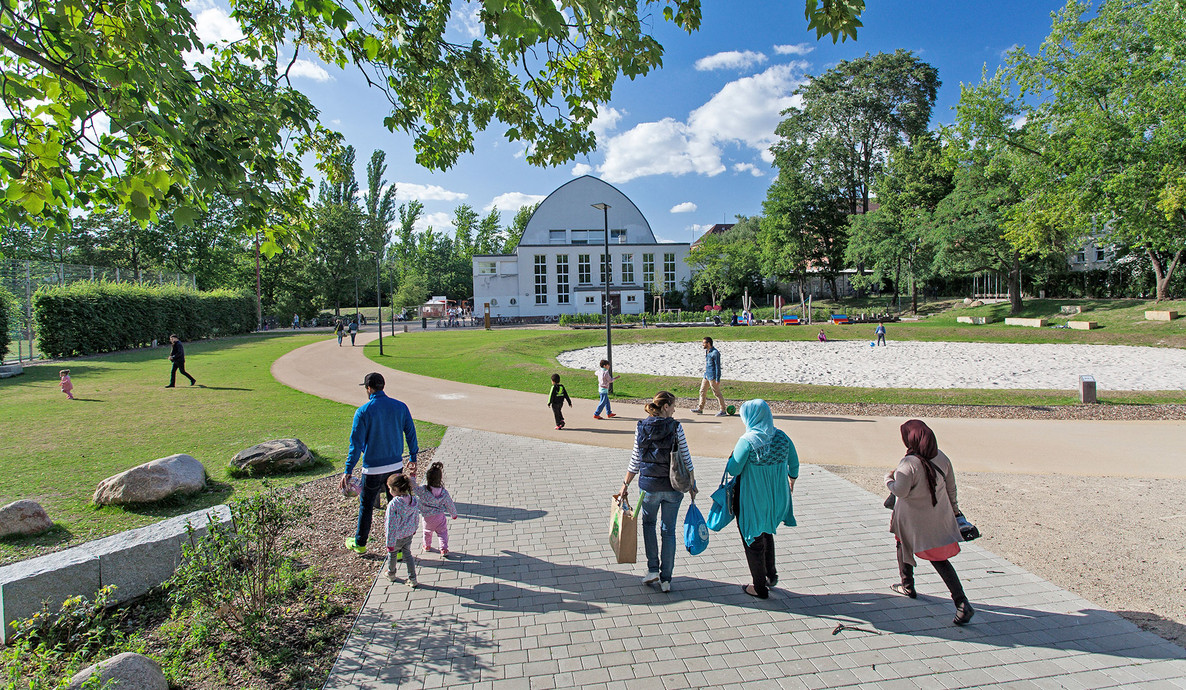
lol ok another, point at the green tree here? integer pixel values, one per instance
(465, 222)
(518, 224)
(339, 233)
(802, 228)
(490, 236)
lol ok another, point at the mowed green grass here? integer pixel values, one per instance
(523, 359)
(56, 451)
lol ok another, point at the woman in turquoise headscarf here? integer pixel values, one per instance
(766, 466)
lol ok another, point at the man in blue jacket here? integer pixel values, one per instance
(712, 377)
(380, 427)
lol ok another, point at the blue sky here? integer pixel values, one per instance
(688, 142)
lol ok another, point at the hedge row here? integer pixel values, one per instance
(665, 317)
(89, 317)
(8, 323)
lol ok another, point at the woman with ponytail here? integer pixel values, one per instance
(924, 514)
(656, 439)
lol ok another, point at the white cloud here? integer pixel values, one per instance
(606, 121)
(744, 111)
(667, 147)
(748, 167)
(796, 49)
(513, 201)
(440, 222)
(466, 21)
(309, 70)
(686, 207)
(1004, 53)
(581, 169)
(214, 25)
(405, 191)
(1019, 121)
(730, 59)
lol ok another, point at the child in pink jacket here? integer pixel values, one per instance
(67, 385)
(435, 504)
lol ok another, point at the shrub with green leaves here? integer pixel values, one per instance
(51, 646)
(90, 317)
(8, 306)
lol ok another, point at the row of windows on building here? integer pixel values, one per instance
(585, 273)
(616, 236)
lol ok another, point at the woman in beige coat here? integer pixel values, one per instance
(924, 514)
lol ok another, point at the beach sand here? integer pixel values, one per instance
(907, 364)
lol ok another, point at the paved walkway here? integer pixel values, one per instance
(1134, 449)
(536, 600)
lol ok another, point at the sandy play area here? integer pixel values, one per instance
(907, 364)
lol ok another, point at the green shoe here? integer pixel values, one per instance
(353, 546)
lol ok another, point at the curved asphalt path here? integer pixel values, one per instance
(1094, 448)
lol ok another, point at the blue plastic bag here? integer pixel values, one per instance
(695, 530)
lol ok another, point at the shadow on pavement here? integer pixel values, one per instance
(485, 513)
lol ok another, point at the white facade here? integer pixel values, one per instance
(556, 269)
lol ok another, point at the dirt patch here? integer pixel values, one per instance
(1114, 541)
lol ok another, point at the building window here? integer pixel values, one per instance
(584, 270)
(628, 269)
(556, 236)
(605, 267)
(562, 279)
(617, 236)
(668, 272)
(648, 270)
(631, 298)
(1081, 257)
(487, 268)
(1099, 253)
(579, 237)
(589, 300)
(541, 279)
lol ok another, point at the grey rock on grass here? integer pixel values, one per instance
(129, 670)
(24, 518)
(153, 481)
(280, 455)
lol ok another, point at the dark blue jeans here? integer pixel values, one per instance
(654, 504)
(372, 484)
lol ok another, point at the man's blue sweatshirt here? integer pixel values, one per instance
(378, 435)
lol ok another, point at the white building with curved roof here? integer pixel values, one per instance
(558, 267)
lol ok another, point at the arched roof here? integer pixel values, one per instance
(569, 207)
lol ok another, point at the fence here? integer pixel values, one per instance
(23, 278)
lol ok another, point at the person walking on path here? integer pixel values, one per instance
(296, 322)
(353, 331)
(604, 379)
(402, 519)
(66, 384)
(766, 466)
(923, 521)
(380, 427)
(339, 330)
(177, 356)
(556, 398)
(435, 506)
(880, 333)
(658, 441)
(712, 377)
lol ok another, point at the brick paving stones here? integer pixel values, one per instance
(535, 600)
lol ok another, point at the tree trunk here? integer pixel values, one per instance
(835, 292)
(1015, 284)
(1161, 272)
(897, 281)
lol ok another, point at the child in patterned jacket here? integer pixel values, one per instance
(403, 517)
(435, 503)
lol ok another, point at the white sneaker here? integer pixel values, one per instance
(651, 578)
(664, 587)
(722, 413)
(696, 410)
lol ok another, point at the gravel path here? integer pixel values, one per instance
(908, 364)
(1117, 542)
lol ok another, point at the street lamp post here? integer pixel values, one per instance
(609, 352)
(379, 298)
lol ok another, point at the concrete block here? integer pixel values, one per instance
(10, 370)
(1031, 323)
(1161, 315)
(54, 578)
(1083, 325)
(974, 320)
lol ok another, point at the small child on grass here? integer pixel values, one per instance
(556, 399)
(435, 504)
(403, 517)
(67, 385)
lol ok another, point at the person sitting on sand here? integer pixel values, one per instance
(823, 337)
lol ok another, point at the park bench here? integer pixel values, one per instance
(839, 318)
(790, 320)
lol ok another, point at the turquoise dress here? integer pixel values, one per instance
(765, 495)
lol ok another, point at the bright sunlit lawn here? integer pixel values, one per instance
(56, 451)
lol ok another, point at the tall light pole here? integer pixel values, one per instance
(605, 275)
(379, 298)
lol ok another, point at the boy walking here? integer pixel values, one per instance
(604, 379)
(556, 399)
(177, 356)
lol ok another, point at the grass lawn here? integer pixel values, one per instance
(56, 451)
(522, 359)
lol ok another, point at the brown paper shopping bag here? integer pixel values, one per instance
(623, 531)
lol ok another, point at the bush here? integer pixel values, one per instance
(89, 317)
(665, 317)
(8, 321)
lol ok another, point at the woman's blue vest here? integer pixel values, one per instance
(656, 439)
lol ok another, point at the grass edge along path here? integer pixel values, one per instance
(523, 359)
(56, 451)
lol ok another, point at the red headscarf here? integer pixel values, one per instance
(920, 441)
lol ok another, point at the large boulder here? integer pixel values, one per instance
(280, 455)
(129, 671)
(23, 518)
(153, 481)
